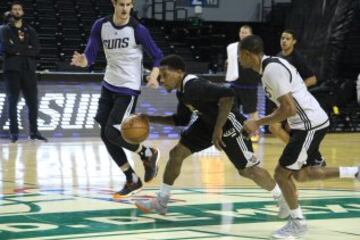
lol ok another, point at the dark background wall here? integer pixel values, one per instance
(323, 28)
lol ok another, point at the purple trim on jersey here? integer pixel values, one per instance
(122, 90)
(144, 38)
(117, 27)
(94, 42)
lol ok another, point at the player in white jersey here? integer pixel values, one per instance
(307, 120)
(123, 39)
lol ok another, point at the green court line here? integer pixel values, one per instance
(193, 209)
(33, 207)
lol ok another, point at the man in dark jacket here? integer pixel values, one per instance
(6, 19)
(21, 46)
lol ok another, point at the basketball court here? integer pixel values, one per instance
(62, 189)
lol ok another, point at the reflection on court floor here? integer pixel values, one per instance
(62, 190)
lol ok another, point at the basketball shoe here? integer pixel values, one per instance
(150, 161)
(158, 204)
(129, 189)
(295, 228)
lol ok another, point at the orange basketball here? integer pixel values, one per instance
(135, 129)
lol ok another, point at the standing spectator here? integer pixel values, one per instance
(6, 18)
(21, 46)
(288, 51)
(244, 81)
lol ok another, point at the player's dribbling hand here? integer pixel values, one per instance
(217, 139)
(79, 60)
(250, 126)
(152, 81)
(142, 115)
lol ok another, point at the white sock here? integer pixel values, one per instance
(165, 190)
(348, 172)
(147, 152)
(125, 167)
(276, 192)
(135, 178)
(296, 213)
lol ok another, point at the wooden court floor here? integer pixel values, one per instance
(62, 190)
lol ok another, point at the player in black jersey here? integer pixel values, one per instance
(218, 123)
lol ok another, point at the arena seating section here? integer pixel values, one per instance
(64, 26)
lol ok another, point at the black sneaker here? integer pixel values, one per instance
(151, 164)
(38, 136)
(14, 138)
(128, 190)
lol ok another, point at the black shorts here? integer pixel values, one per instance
(198, 136)
(114, 107)
(303, 149)
(246, 96)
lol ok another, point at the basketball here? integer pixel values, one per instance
(135, 129)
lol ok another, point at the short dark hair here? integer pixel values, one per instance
(253, 44)
(16, 3)
(173, 62)
(291, 32)
(132, 1)
(248, 27)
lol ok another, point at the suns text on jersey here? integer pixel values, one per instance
(116, 43)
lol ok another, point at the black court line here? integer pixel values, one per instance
(227, 235)
(25, 183)
(347, 233)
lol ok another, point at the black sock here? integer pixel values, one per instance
(130, 175)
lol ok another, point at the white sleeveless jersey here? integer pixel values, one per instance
(279, 78)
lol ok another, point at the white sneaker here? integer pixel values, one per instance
(158, 204)
(357, 175)
(284, 210)
(295, 228)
